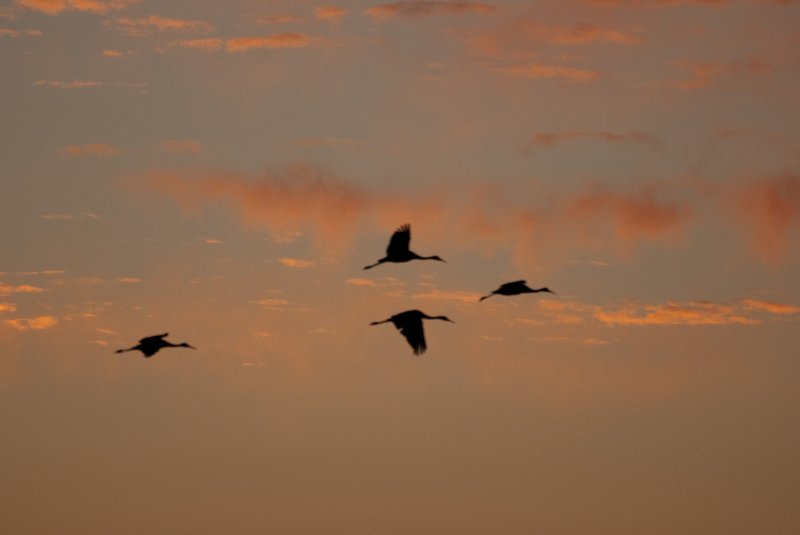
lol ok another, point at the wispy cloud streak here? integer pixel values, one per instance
(54, 7)
(101, 150)
(552, 139)
(419, 9)
(139, 27)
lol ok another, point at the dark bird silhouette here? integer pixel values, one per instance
(149, 346)
(409, 323)
(516, 288)
(398, 250)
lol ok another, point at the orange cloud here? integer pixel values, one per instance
(541, 70)
(674, 313)
(744, 312)
(182, 145)
(209, 45)
(6, 289)
(37, 323)
(551, 139)
(331, 14)
(280, 40)
(415, 9)
(154, 23)
(707, 74)
(297, 263)
(770, 306)
(101, 150)
(8, 307)
(54, 7)
(772, 208)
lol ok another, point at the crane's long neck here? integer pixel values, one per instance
(134, 348)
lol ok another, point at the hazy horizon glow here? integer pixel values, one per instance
(223, 172)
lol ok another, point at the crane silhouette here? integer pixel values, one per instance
(516, 288)
(409, 323)
(398, 250)
(150, 346)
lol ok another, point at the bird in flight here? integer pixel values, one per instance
(516, 288)
(149, 346)
(398, 250)
(409, 323)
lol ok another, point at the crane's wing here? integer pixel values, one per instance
(153, 339)
(398, 244)
(413, 332)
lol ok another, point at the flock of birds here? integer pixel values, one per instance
(409, 323)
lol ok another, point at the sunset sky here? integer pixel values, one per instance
(223, 170)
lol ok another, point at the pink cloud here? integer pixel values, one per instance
(280, 40)
(101, 150)
(297, 198)
(771, 207)
(303, 199)
(414, 9)
(541, 70)
(641, 215)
